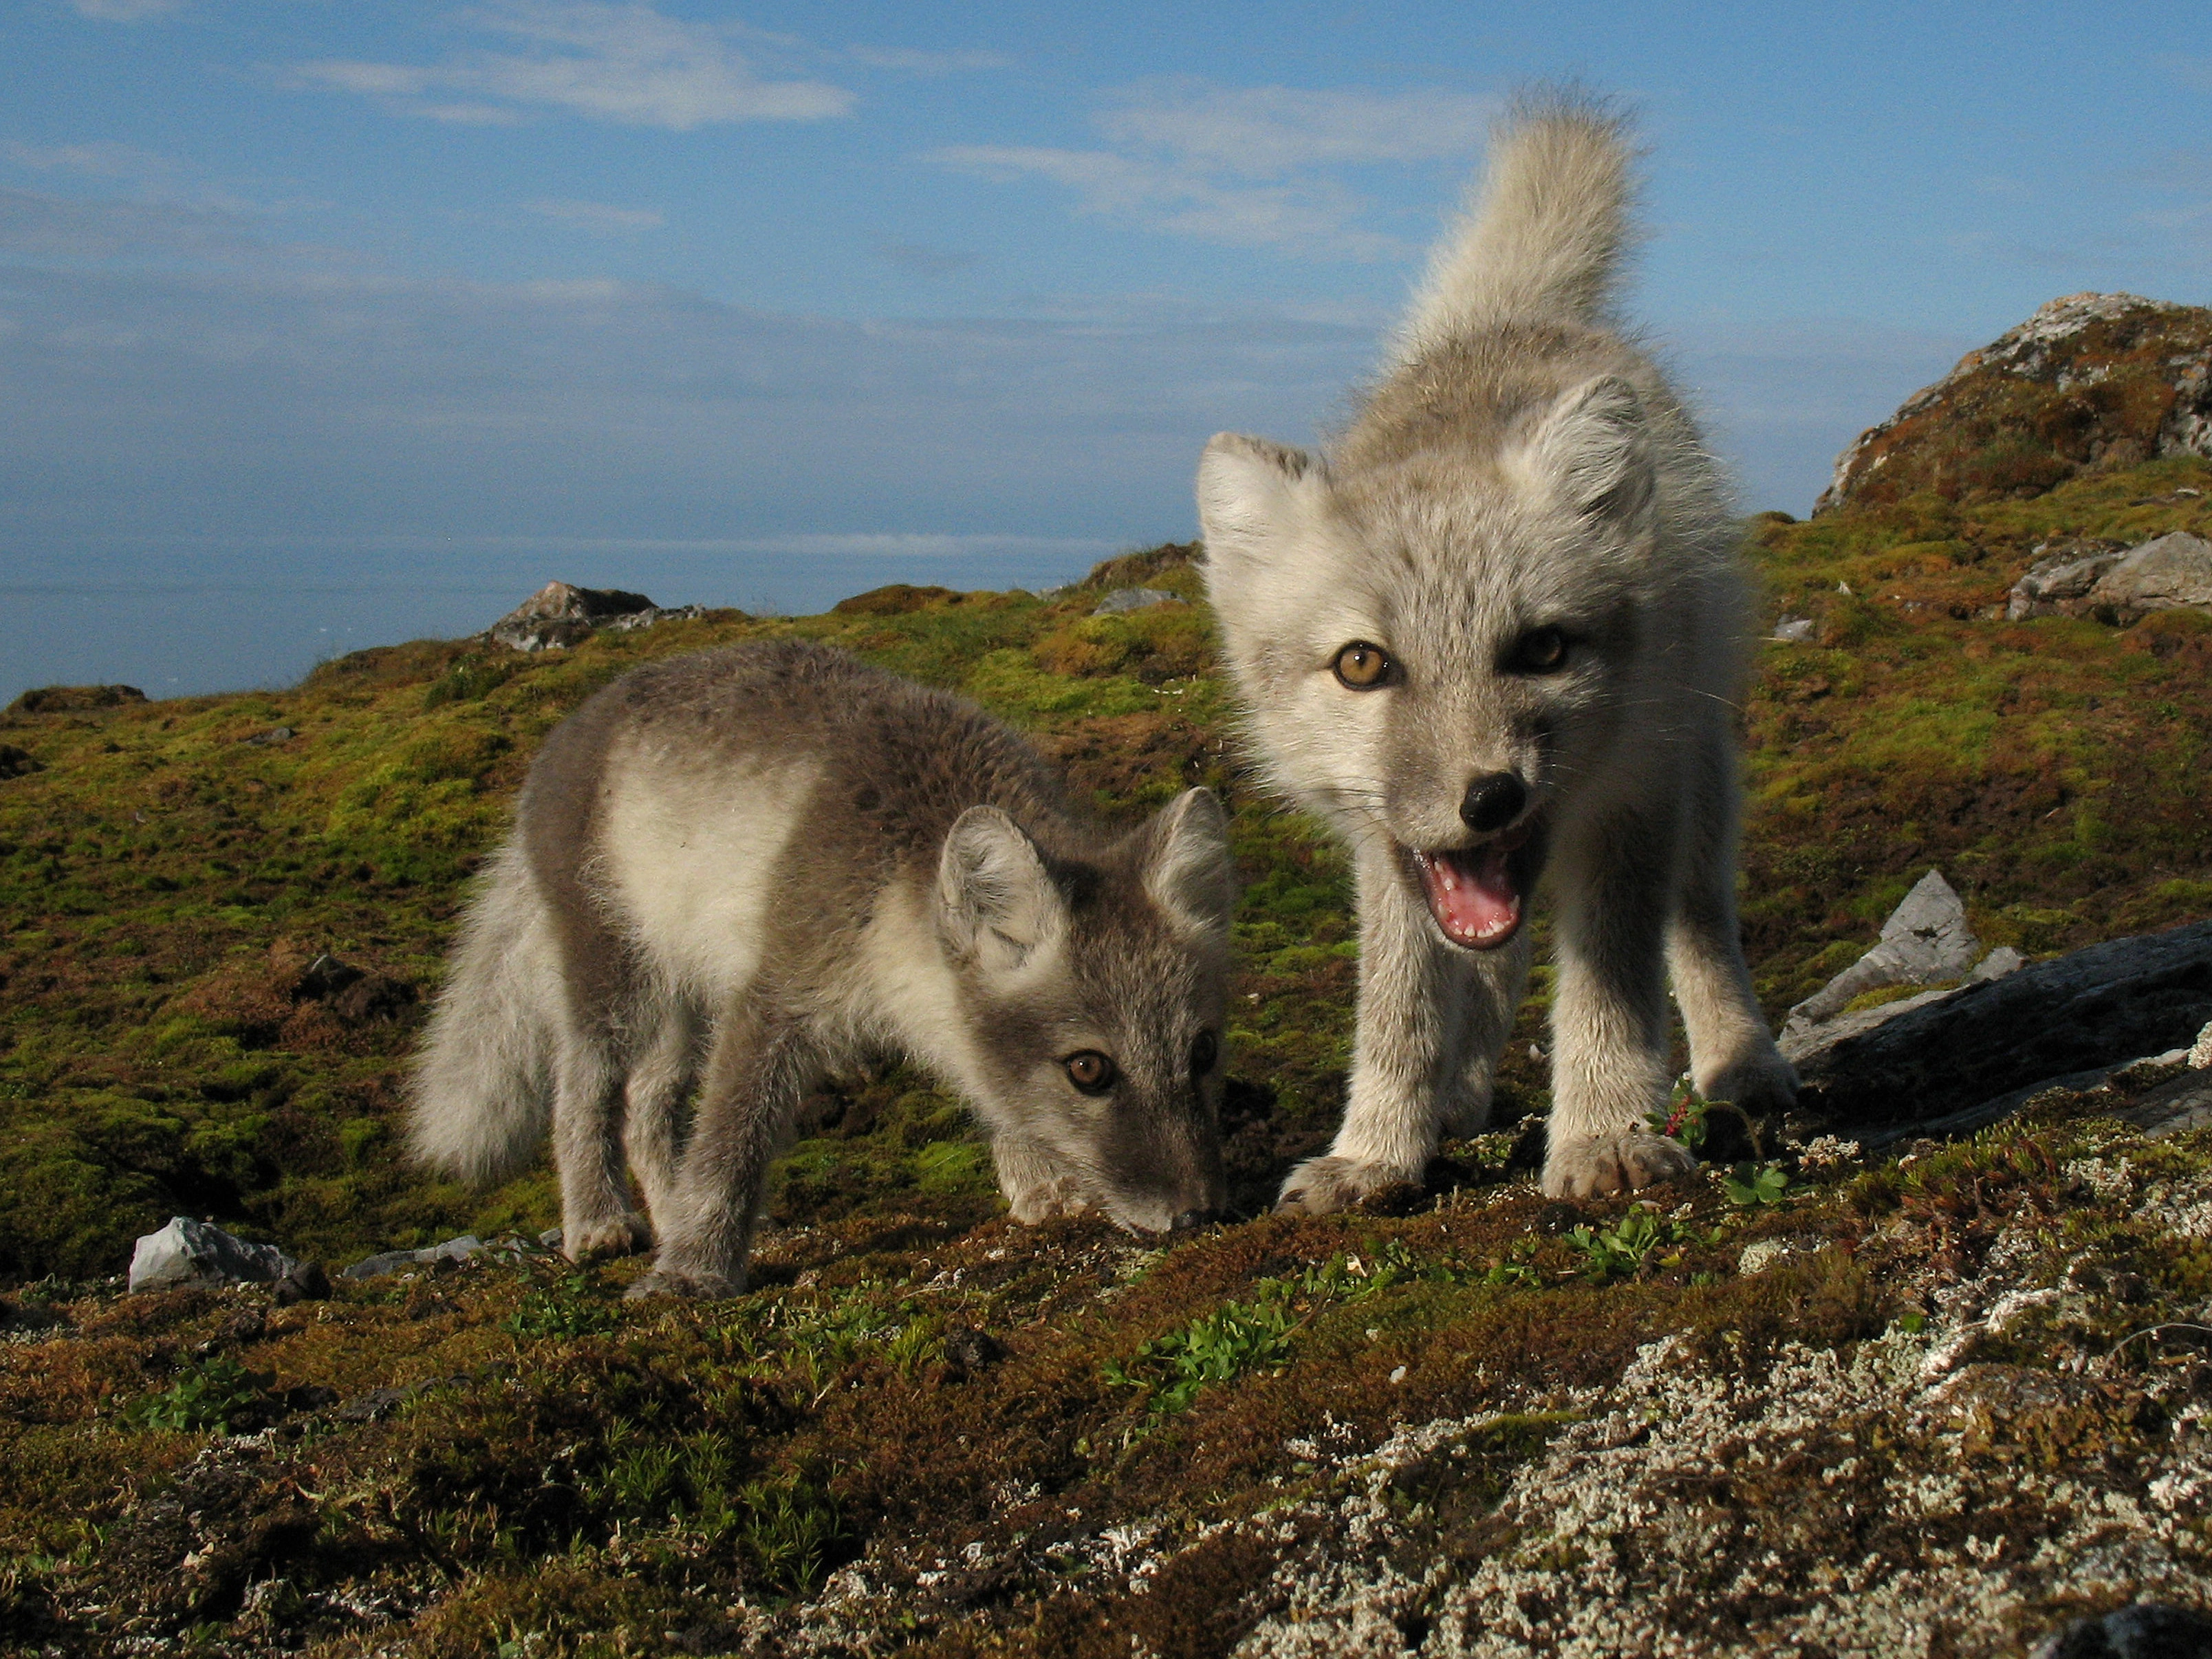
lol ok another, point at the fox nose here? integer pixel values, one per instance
(1191, 1220)
(1493, 801)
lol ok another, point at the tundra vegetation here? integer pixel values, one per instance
(1953, 1378)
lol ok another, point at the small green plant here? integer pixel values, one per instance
(214, 1392)
(1213, 1348)
(1748, 1185)
(568, 1307)
(1623, 1249)
(791, 1531)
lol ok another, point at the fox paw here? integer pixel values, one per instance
(1043, 1202)
(1591, 1166)
(1321, 1185)
(595, 1240)
(695, 1286)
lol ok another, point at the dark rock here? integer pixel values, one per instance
(377, 1402)
(373, 998)
(74, 699)
(2143, 995)
(322, 978)
(967, 1351)
(307, 1282)
(274, 734)
(2091, 379)
(310, 1397)
(17, 762)
(2147, 1630)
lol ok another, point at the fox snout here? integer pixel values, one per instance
(1493, 801)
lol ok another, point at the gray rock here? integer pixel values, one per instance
(2061, 578)
(189, 1252)
(2000, 962)
(2090, 1009)
(2200, 1052)
(560, 615)
(2173, 1107)
(1133, 599)
(391, 1261)
(2172, 573)
(1795, 630)
(2146, 1630)
(1925, 938)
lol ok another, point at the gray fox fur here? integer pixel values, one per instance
(742, 871)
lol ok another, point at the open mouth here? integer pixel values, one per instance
(1477, 894)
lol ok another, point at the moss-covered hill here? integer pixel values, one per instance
(1057, 1439)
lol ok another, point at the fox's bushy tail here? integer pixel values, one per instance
(483, 1086)
(1545, 231)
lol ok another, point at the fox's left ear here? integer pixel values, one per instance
(1253, 497)
(996, 902)
(1189, 872)
(1594, 449)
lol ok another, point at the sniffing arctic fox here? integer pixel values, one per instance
(752, 866)
(1499, 627)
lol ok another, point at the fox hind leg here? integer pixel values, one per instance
(1732, 1052)
(596, 1216)
(654, 1100)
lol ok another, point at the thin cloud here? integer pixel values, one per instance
(101, 159)
(600, 218)
(1269, 132)
(1247, 167)
(916, 62)
(122, 11)
(922, 259)
(628, 64)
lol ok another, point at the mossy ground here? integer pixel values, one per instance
(965, 1410)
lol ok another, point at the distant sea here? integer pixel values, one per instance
(184, 623)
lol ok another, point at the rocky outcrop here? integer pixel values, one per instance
(190, 1252)
(560, 614)
(2081, 578)
(1960, 1050)
(2093, 379)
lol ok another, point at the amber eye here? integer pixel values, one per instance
(1091, 1072)
(1541, 650)
(1363, 666)
(1204, 1050)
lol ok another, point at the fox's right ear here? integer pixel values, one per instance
(1253, 496)
(995, 900)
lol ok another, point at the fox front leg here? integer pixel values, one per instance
(759, 1070)
(1421, 1000)
(1609, 1018)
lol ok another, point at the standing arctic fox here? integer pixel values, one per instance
(751, 866)
(1500, 625)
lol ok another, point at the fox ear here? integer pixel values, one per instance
(995, 900)
(1251, 495)
(1594, 448)
(1189, 873)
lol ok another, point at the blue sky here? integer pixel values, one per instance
(325, 324)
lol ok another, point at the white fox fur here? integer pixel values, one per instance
(1499, 627)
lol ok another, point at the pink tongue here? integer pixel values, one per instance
(1471, 894)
